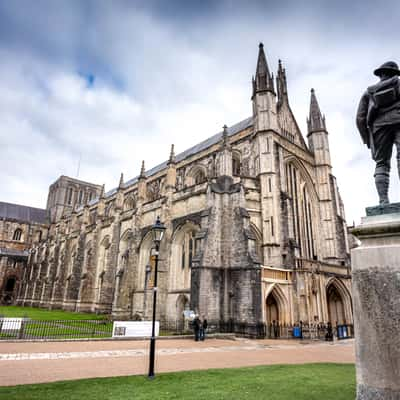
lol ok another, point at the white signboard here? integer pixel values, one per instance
(134, 328)
(11, 324)
(189, 314)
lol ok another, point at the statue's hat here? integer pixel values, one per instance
(388, 67)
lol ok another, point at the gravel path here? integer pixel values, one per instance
(22, 363)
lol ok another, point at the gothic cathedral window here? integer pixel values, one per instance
(188, 250)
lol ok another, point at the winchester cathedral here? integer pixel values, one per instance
(255, 233)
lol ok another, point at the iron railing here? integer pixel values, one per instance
(24, 328)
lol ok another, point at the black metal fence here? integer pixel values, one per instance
(289, 331)
(309, 331)
(24, 328)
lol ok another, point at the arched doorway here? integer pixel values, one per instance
(272, 309)
(335, 306)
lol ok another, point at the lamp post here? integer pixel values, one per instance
(157, 230)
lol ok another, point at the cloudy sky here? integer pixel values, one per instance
(105, 84)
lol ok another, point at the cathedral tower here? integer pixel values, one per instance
(267, 157)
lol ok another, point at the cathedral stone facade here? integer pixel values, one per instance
(255, 229)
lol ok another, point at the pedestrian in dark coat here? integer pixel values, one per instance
(196, 328)
(204, 325)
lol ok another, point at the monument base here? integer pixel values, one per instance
(376, 302)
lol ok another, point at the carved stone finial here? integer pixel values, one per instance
(142, 171)
(225, 136)
(121, 180)
(171, 155)
(102, 192)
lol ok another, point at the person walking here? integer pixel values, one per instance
(378, 121)
(203, 327)
(196, 328)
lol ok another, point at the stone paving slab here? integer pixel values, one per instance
(47, 362)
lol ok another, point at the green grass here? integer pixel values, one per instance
(277, 382)
(42, 314)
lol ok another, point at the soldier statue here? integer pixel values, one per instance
(378, 120)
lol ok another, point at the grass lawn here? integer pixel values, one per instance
(42, 314)
(276, 382)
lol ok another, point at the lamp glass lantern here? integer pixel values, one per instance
(158, 230)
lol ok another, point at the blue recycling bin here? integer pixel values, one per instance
(296, 332)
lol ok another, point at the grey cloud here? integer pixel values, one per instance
(187, 68)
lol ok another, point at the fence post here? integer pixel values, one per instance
(21, 329)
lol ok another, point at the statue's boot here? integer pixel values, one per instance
(382, 186)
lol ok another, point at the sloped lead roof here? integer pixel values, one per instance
(240, 126)
(23, 213)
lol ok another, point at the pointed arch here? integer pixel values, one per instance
(335, 287)
(129, 203)
(282, 302)
(183, 249)
(124, 250)
(298, 164)
(145, 248)
(197, 175)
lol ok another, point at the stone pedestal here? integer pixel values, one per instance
(376, 302)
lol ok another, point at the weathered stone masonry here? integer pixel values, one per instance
(255, 229)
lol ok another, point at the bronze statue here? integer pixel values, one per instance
(378, 120)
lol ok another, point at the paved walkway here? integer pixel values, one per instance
(22, 363)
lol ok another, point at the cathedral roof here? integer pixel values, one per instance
(23, 213)
(240, 126)
(205, 144)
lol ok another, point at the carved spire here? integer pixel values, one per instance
(172, 155)
(225, 136)
(102, 192)
(281, 84)
(316, 121)
(121, 180)
(142, 171)
(264, 80)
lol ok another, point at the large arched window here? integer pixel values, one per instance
(301, 212)
(109, 209)
(17, 234)
(129, 203)
(146, 263)
(102, 265)
(196, 175)
(183, 250)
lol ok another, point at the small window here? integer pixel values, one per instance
(236, 166)
(80, 197)
(200, 177)
(17, 234)
(183, 260)
(69, 197)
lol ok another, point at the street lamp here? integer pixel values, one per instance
(157, 231)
